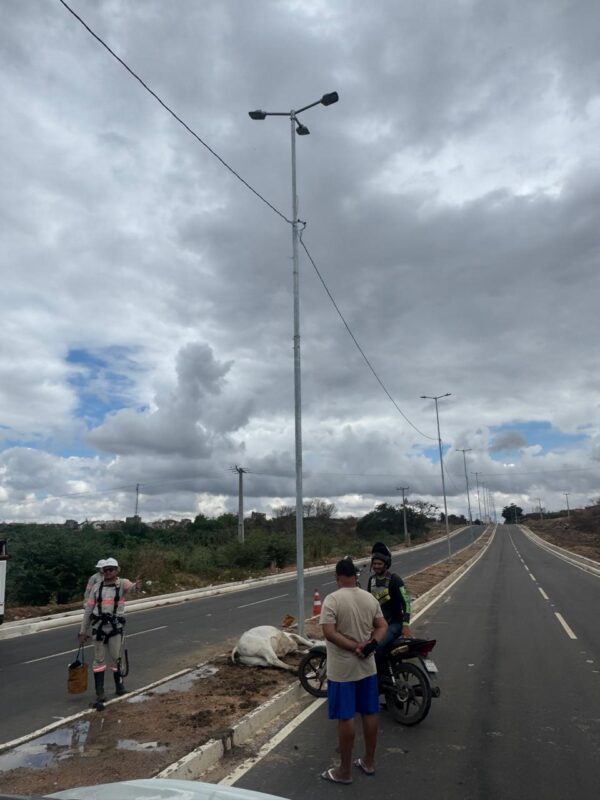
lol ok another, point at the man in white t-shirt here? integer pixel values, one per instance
(352, 625)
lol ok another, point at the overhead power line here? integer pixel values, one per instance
(358, 347)
(173, 114)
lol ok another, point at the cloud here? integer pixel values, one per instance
(451, 200)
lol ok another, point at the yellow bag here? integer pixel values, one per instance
(77, 674)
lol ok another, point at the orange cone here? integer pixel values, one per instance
(316, 604)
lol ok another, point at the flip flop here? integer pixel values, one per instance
(329, 776)
(358, 763)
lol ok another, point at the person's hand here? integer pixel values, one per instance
(82, 638)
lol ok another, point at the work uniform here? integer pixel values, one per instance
(104, 615)
(93, 581)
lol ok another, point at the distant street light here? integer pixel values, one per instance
(464, 452)
(296, 127)
(437, 416)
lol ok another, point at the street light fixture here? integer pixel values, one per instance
(437, 416)
(297, 127)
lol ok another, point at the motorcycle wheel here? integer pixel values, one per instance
(312, 674)
(410, 701)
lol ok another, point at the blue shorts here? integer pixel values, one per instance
(349, 698)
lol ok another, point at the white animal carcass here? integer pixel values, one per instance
(263, 647)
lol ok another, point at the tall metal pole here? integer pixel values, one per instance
(241, 533)
(137, 499)
(464, 452)
(566, 494)
(297, 392)
(302, 130)
(437, 417)
(406, 533)
(540, 507)
(478, 497)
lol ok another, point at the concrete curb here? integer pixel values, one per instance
(10, 630)
(203, 758)
(583, 562)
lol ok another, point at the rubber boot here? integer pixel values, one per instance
(119, 685)
(99, 684)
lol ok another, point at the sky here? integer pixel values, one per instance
(451, 200)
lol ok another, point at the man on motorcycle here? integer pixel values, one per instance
(389, 590)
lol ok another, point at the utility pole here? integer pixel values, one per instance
(477, 474)
(137, 499)
(437, 416)
(540, 507)
(406, 533)
(464, 452)
(240, 471)
(566, 494)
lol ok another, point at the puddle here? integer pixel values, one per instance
(48, 749)
(138, 747)
(181, 684)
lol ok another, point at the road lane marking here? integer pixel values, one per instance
(531, 576)
(266, 600)
(543, 593)
(242, 769)
(561, 619)
(87, 647)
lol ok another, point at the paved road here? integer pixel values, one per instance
(519, 715)
(160, 641)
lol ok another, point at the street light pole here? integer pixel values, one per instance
(464, 452)
(478, 497)
(406, 533)
(297, 127)
(437, 416)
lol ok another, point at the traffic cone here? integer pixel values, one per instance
(316, 604)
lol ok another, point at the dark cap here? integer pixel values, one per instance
(346, 568)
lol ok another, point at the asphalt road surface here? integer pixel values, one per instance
(33, 669)
(519, 715)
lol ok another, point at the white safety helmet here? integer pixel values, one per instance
(111, 562)
(100, 563)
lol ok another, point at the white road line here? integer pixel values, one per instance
(234, 776)
(531, 576)
(526, 567)
(570, 633)
(149, 630)
(87, 647)
(543, 593)
(266, 600)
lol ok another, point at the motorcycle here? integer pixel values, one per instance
(407, 677)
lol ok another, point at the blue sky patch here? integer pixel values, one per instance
(101, 379)
(508, 439)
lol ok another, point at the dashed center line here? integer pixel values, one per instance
(543, 593)
(531, 576)
(266, 600)
(562, 621)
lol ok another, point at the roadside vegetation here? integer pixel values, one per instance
(50, 564)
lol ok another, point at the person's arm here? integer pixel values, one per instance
(337, 638)
(90, 605)
(401, 596)
(380, 627)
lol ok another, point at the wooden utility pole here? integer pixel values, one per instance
(406, 533)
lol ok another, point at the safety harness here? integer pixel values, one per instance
(102, 619)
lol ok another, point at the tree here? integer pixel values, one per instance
(512, 514)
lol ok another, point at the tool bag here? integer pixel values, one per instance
(77, 674)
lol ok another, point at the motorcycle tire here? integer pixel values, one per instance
(312, 673)
(410, 701)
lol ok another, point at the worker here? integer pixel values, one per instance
(93, 580)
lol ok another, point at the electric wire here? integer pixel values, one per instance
(358, 347)
(173, 114)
